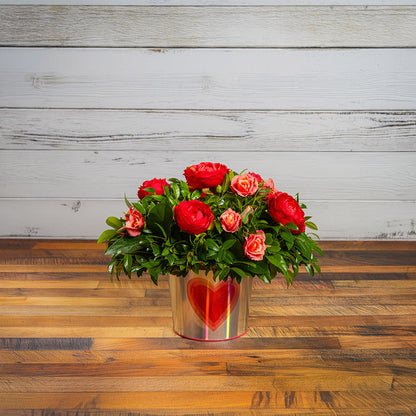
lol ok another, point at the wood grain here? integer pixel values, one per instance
(213, 2)
(130, 130)
(209, 78)
(266, 26)
(380, 220)
(342, 343)
(376, 176)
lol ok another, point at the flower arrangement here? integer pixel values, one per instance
(233, 224)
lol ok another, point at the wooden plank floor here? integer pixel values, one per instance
(74, 344)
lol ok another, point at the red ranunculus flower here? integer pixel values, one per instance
(244, 185)
(230, 221)
(205, 175)
(156, 184)
(283, 209)
(257, 176)
(134, 222)
(254, 246)
(193, 216)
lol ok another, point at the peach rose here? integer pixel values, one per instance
(254, 246)
(244, 185)
(230, 221)
(134, 222)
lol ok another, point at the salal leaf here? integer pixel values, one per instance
(240, 272)
(114, 222)
(228, 244)
(106, 235)
(125, 246)
(311, 225)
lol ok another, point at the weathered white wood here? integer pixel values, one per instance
(108, 174)
(266, 26)
(66, 218)
(213, 2)
(37, 129)
(314, 79)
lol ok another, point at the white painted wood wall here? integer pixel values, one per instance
(97, 96)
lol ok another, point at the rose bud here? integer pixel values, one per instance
(284, 209)
(244, 185)
(156, 184)
(134, 222)
(230, 221)
(246, 212)
(205, 175)
(254, 246)
(193, 216)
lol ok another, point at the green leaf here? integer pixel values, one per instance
(127, 263)
(224, 273)
(212, 245)
(111, 268)
(311, 225)
(304, 247)
(154, 275)
(317, 268)
(125, 245)
(275, 248)
(114, 222)
(196, 194)
(127, 201)
(278, 261)
(139, 207)
(264, 278)
(318, 250)
(176, 190)
(228, 244)
(106, 235)
(171, 259)
(289, 238)
(309, 269)
(184, 189)
(292, 226)
(226, 183)
(160, 217)
(269, 238)
(239, 272)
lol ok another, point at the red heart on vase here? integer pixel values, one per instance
(212, 301)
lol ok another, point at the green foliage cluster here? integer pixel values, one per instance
(163, 248)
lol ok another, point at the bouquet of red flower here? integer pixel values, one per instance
(233, 224)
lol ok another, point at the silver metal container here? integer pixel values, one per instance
(208, 310)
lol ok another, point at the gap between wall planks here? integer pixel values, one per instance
(239, 27)
(76, 344)
(268, 27)
(203, 3)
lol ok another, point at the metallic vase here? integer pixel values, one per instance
(208, 310)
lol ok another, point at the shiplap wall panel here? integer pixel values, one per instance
(83, 104)
(258, 26)
(274, 131)
(203, 3)
(327, 175)
(85, 218)
(312, 79)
